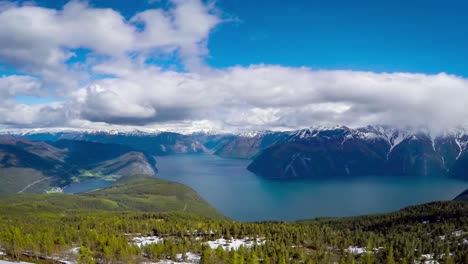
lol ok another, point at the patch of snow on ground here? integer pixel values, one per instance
(378, 249)
(427, 256)
(234, 244)
(62, 260)
(356, 250)
(146, 240)
(457, 233)
(427, 259)
(190, 258)
(75, 250)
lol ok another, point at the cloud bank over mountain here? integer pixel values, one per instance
(102, 66)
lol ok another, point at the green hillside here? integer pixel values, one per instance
(133, 194)
(101, 227)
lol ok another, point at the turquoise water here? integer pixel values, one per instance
(243, 196)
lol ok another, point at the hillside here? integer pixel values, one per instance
(104, 234)
(35, 166)
(248, 145)
(463, 196)
(131, 194)
(344, 152)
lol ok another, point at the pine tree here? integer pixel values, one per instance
(369, 255)
(253, 259)
(447, 257)
(86, 256)
(281, 259)
(390, 258)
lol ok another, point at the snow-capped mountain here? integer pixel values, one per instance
(247, 145)
(312, 152)
(371, 150)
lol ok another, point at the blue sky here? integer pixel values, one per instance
(231, 64)
(414, 36)
(381, 36)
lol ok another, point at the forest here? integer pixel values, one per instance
(42, 229)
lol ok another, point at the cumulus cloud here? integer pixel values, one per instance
(32, 116)
(13, 85)
(264, 96)
(21, 115)
(39, 41)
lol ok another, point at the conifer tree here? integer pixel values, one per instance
(390, 258)
(86, 256)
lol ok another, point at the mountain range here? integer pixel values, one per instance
(316, 152)
(373, 150)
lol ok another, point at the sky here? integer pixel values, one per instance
(232, 64)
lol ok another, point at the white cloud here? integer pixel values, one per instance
(13, 85)
(265, 96)
(107, 105)
(39, 41)
(21, 115)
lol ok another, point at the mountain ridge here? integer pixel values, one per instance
(341, 151)
(320, 151)
(65, 161)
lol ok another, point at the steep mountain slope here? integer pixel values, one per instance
(212, 141)
(23, 180)
(130, 163)
(463, 196)
(24, 162)
(342, 152)
(248, 145)
(87, 155)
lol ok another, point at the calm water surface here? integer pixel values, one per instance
(86, 186)
(243, 196)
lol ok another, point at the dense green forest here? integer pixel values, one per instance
(101, 227)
